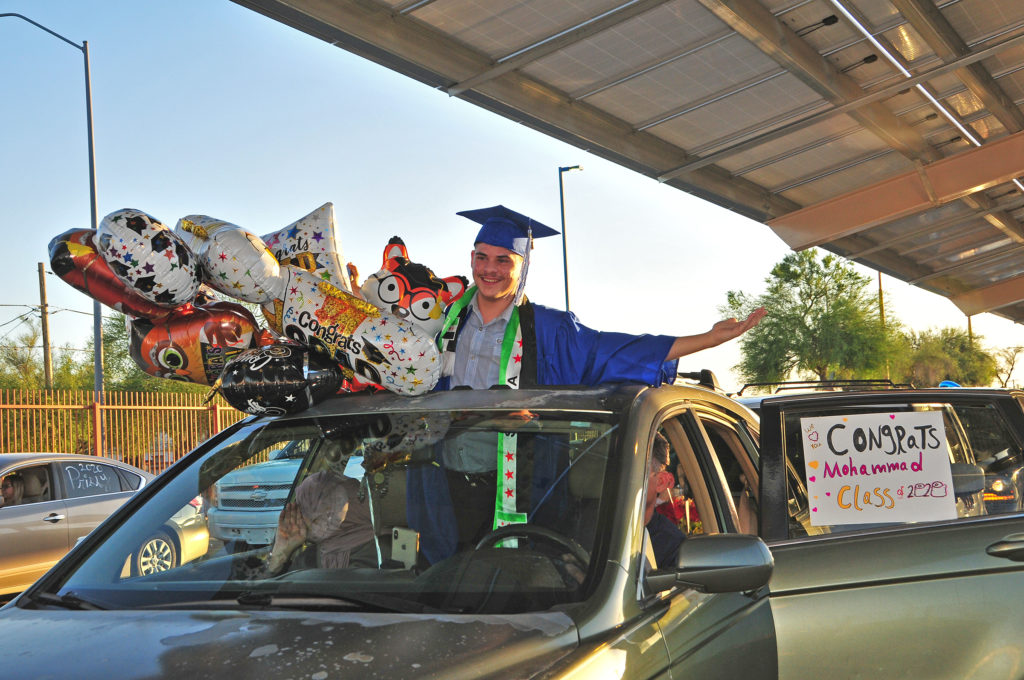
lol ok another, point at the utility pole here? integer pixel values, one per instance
(881, 315)
(881, 301)
(565, 248)
(97, 308)
(47, 361)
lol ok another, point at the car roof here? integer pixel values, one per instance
(7, 459)
(605, 397)
(608, 397)
(891, 395)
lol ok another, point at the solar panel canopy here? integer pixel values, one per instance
(890, 132)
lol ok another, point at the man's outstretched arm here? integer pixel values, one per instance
(723, 331)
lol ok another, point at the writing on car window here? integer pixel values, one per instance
(89, 479)
(877, 468)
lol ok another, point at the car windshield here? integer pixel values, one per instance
(481, 510)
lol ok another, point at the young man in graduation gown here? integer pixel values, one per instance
(491, 336)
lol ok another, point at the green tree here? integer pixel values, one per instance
(822, 321)
(20, 364)
(948, 354)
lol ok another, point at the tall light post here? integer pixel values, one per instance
(565, 250)
(97, 310)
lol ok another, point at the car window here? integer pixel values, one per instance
(34, 483)
(699, 476)
(996, 451)
(484, 510)
(858, 467)
(130, 481)
(82, 479)
(737, 453)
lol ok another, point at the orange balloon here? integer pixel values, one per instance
(194, 343)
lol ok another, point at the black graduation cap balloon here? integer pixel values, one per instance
(278, 379)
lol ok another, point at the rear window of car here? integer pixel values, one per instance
(869, 466)
(89, 479)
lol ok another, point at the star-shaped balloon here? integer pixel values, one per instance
(310, 243)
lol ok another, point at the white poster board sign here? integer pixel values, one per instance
(877, 467)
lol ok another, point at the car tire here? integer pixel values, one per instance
(157, 553)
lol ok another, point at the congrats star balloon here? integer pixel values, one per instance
(310, 243)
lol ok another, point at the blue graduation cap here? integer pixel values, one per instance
(506, 228)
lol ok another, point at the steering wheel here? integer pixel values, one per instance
(538, 533)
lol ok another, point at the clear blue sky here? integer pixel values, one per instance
(202, 106)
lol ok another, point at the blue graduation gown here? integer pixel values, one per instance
(567, 353)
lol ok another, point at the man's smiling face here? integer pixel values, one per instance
(496, 271)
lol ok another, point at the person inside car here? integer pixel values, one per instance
(13, 488)
(665, 536)
(676, 504)
(326, 512)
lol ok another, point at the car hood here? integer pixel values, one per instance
(274, 471)
(197, 645)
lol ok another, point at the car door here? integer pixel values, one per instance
(92, 491)
(722, 635)
(910, 567)
(33, 535)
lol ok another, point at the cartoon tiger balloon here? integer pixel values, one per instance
(410, 290)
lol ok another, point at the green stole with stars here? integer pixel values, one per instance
(510, 372)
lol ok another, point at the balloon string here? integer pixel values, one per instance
(214, 389)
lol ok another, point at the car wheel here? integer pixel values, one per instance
(157, 553)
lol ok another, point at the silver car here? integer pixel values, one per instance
(65, 496)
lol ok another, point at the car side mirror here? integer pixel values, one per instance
(716, 563)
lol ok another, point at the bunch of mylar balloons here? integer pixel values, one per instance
(320, 337)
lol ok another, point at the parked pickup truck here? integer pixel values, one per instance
(505, 535)
(247, 502)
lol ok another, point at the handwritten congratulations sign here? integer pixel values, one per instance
(877, 467)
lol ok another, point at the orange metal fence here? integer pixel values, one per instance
(148, 430)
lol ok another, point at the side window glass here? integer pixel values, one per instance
(693, 501)
(861, 468)
(89, 479)
(129, 480)
(737, 455)
(27, 485)
(994, 450)
(675, 497)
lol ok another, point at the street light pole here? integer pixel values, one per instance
(565, 250)
(97, 310)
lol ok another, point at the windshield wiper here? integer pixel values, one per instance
(68, 600)
(318, 600)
